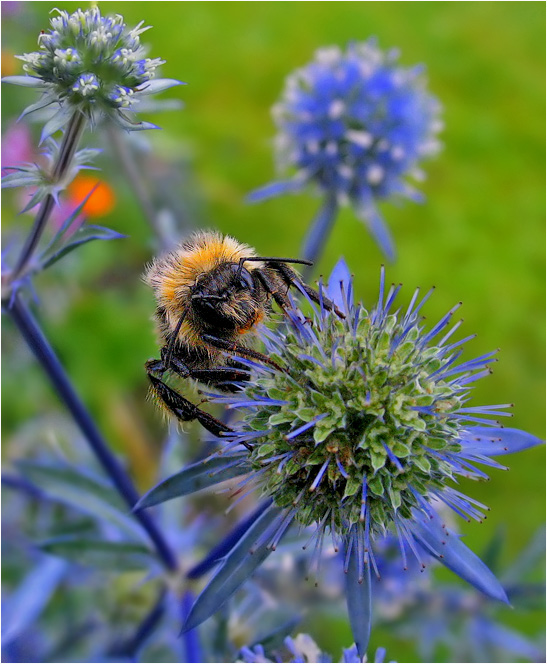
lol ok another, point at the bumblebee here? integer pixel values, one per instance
(212, 292)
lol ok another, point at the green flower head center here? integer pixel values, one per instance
(86, 57)
(377, 419)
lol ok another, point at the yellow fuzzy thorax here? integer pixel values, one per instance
(172, 275)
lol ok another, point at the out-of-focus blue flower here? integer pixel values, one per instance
(360, 427)
(450, 617)
(396, 590)
(76, 517)
(303, 649)
(93, 64)
(356, 124)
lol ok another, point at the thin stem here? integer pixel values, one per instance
(71, 138)
(131, 647)
(44, 353)
(21, 484)
(139, 185)
(192, 644)
(69, 145)
(318, 233)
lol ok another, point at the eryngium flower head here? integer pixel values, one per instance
(92, 63)
(368, 419)
(304, 649)
(363, 429)
(356, 124)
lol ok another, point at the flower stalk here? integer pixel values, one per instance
(62, 166)
(44, 353)
(139, 185)
(318, 233)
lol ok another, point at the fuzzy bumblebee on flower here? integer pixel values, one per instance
(363, 429)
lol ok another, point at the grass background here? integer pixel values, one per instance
(478, 238)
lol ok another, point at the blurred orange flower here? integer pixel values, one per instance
(100, 202)
(9, 63)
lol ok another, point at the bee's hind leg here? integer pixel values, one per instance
(181, 408)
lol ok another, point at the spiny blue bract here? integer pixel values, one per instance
(357, 124)
(92, 63)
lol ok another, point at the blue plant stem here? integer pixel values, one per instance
(318, 233)
(131, 648)
(192, 644)
(71, 138)
(44, 353)
(21, 484)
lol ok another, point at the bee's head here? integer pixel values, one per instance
(225, 297)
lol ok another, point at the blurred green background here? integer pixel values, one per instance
(478, 238)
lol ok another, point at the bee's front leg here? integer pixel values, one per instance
(237, 349)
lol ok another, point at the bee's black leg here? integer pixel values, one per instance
(238, 349)
(211, 376)
(291, 278)
(281, 299)
(221, 375)
(185, 410)
(180, 407)
(155, 366)
(172, 362)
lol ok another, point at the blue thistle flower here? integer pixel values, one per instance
(363, 430)
(304, 649)
(356, 124)
(93, 64)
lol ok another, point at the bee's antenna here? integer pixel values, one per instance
(270, 259)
